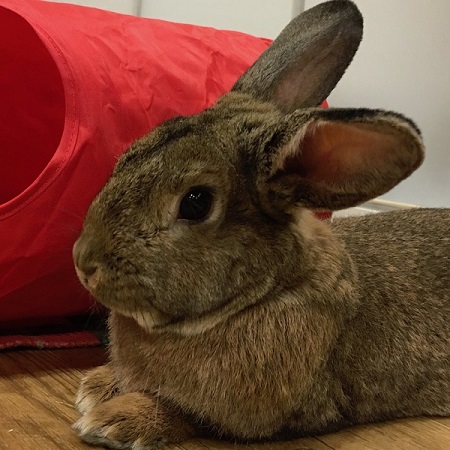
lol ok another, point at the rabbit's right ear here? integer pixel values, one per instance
(332, 158)
(307, 59)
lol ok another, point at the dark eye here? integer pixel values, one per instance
(196, 204)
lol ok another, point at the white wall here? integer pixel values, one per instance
(120, 6)
(258, 17)
(403, 64)
(264, 18)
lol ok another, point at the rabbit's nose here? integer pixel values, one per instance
(88, 272)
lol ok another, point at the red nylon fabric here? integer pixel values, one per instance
(77, 86)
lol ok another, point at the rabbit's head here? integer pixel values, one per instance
(208, 214)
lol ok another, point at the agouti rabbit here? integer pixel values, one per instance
(235, 312)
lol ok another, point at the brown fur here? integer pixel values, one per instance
(261, 321)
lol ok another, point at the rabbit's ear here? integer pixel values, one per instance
(307, 59)
(336, 158)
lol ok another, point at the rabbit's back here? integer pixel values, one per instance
(407, 249)
(394, 355)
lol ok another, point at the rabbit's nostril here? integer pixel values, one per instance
(89, 276)
(90, 270)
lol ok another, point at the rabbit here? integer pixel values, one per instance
(234, 312)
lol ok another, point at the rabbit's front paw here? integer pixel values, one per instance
(131, 421)
(96, 387)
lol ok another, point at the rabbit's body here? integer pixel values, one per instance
(384, 348)
(393, 358)
(234, 311)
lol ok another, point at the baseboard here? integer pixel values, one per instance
(373, 207)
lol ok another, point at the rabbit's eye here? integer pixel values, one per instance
(196, 204)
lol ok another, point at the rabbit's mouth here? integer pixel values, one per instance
(147, 316)
(96, 282)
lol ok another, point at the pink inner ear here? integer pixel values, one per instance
(334, 152)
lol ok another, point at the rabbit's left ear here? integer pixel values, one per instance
(307, 59)
(336, 158)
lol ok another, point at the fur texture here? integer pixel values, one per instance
(259, 321)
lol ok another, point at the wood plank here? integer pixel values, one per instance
(443, 421)
(37, 388)
(407, 434)
(300, 444)
(36, 397)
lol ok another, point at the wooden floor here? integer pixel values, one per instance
(37, 388)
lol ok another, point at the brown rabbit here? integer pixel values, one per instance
(235, 312)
